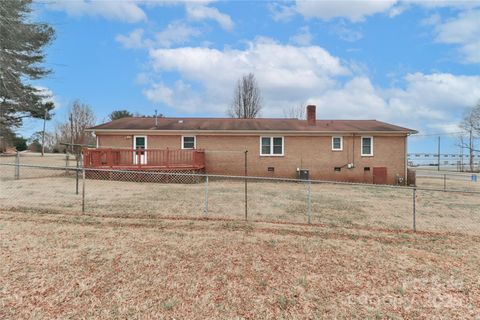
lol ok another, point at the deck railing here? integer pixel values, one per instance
(142, 158)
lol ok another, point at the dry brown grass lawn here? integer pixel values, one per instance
(71, 266)
(142, 250)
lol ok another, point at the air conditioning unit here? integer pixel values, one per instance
(303, 174)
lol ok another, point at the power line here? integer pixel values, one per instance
(436, 134)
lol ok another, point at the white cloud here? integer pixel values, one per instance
(281, 12)
(463, 30)
(134, 40)
(159, 93)
(181, 97)
(288, 75)
(128, 11)
(427, 102)
(131, 10)
(303, 37)
(432, 20)
(458, 4)
(359, 10)
(175, 33)
(432, 102)
(49, 96)
(345, 33)
(356, 99)
(355, 11)
(439, 91)
(284, 72)
(142, 78)
(200, 11)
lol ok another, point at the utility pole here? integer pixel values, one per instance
(438, 155)
(43, 132)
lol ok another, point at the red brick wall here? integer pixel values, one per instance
(225, 155)
(164, 142)
(117, 141)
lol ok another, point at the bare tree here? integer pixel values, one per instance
(470, 127)
(47, 138)
(476, 118)
(297, 112)
(247, 98)
(80, 117)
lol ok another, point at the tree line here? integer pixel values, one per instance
(69, 135)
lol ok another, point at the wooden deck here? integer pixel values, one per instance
(143, 159)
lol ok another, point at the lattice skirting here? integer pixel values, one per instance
(152, 176)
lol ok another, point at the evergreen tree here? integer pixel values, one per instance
(119, 114)
(21, 55)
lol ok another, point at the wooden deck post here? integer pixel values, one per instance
(168, 157)
(139, 158)
(109, 158)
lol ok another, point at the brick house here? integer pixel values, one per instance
(344, 150)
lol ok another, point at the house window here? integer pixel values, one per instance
(271, 146)
(337, 143)
(338, 169)
(188, 142)
(367, 146)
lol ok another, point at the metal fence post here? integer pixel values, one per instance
(77, 174)
(246, 189)
(309, 212)
(206, 196)
(83, 189)
(444, 182)
(414, 209)
(67, 162)
(17, 166)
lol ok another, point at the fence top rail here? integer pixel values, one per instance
(427, 173)
(105, 149)
(380, 186)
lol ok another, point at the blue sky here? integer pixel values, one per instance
(411, 63)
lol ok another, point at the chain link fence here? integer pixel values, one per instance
(33, 158)
(186, 195)
(448, 180)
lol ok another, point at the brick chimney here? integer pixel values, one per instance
(311, 115)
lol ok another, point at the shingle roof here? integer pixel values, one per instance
(259, 124)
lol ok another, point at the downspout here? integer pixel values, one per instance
(353, 149)
(406, 158)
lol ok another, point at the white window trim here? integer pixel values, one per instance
(371, 147)
(341, 143)
(135, 141)
(194, 142)
(271, 154)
